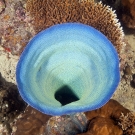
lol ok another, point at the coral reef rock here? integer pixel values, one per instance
(133, 81)
(2, 5)
(111, 119)
(15, 28)
(103, 126)
(112, 109)
(128, 15)
(8, 65)
(67, 124)
(127, 123)
(125, 93)
(11, 104)
(32, 122)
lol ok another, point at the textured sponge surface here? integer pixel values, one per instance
(70, 61)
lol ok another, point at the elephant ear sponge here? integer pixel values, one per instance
(50, 12)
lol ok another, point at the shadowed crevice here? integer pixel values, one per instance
(65, 95)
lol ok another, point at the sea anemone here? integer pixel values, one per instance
(68, 68)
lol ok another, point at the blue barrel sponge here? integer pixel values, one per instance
(68, 68)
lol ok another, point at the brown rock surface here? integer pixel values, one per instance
(11, 105)
(104, 121)
(2, 5)
(103, 126)
(128, 15)
(32, 122)
(112, 110)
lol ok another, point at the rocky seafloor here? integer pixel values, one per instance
(16, 30)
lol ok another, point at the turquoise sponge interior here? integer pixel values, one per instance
(68, 68)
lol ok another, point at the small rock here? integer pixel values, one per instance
(19, 11)
(133, 76)
(31, 122)
(2, 6)
(134, 65)
(127, 70)
(132, 83)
